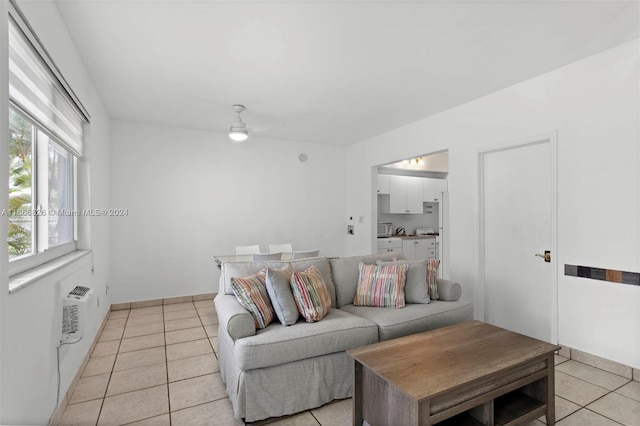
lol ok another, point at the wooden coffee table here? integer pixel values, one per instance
(470, 373)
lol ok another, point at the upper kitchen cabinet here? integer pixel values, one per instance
(432, 189)
(405, 194)
(383, 184)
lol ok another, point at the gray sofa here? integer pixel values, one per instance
(283, 370)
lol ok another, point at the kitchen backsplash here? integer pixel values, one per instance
(412, 221)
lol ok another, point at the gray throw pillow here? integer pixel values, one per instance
(415, 287)
(281, 295)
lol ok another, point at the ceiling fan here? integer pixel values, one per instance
(238, 131)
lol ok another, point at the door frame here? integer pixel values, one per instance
(481, 296)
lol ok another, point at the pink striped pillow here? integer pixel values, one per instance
(381, 286)
(251, 293)
(311, 294)
(432, 275)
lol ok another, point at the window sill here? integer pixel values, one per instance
(20, 281)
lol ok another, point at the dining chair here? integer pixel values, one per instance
(247, 249)
(266, 256)
(283, 248)
(305, 254)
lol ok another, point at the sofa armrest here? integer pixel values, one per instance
(449, 291)
(233, 317)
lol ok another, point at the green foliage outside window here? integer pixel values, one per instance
(20, 185)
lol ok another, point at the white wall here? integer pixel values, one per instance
(4, 198)
(593, 105)
(29, 322)
(193, 194)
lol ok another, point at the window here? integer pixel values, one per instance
(46, 126)
(41, 189)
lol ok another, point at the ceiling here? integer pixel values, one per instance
(333, 72)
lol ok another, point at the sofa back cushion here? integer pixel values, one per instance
(344, 271)
(245, 269)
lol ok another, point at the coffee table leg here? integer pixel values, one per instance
(551, 391)
(357, 394)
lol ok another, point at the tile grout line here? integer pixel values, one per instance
(104, 397)
(208, 338)
(314, 417)
(602, 415)
(135, 390)
(595, 384)
(602, 397)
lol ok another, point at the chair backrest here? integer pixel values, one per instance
(267, 256)
(305, 254)
(282, 248)
(247, 249)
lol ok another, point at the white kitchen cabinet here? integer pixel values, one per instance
(405, 194)
(429, 190)
(386, 245)
(419, 249)
(383, 184)
(442, 185)
(432, 189)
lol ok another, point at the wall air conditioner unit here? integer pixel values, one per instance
(74, 313)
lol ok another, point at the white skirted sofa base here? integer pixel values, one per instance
(281, 370)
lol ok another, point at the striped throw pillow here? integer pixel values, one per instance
(381, 286)
(251, 293)
(311, 294)
(432, 275)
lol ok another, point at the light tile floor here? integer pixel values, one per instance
(158, 366)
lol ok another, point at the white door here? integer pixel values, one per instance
(517, 199)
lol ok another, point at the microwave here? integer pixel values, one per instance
(385, 229)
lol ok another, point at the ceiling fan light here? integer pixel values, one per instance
(238, 135)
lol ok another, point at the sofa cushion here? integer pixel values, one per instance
(275, 345)
(244, 269)
(311, 294)
(413, 318)
(251, 293)
(415, 288)
(281, 296)
(344, 271)
(381, 285)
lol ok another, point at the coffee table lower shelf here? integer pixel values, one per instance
(511, 409)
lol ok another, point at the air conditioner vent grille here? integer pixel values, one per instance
(70, 317)
(79, 292)
(75, 307)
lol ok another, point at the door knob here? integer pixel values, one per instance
(546, 256)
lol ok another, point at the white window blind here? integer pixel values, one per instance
(35, 89)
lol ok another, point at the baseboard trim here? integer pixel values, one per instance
(601, 363)
(165, 301)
